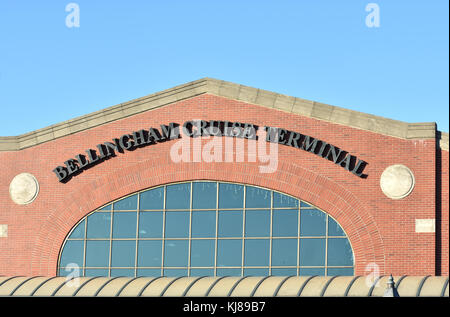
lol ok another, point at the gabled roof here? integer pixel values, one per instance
(312, 109)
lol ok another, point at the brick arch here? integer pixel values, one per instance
(292, 179)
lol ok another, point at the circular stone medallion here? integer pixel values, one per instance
(24, 189)
(397, 181)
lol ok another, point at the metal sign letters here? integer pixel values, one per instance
(198, 128)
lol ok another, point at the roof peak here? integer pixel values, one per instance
(208, 85)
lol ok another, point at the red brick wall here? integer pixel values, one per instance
(444, 213)
(381, 230)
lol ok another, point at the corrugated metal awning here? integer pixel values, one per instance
(327, 286)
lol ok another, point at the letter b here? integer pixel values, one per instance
(61, 172)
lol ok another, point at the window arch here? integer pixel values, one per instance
(207, 228)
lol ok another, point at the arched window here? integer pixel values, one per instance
(207, 228)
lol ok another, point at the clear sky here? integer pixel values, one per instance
(320, 50)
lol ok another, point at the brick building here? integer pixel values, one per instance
(383, 183)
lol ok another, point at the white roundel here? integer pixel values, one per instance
(397, 181)
(24, 189)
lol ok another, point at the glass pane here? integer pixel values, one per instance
(72, 253)
(129, 203)
(312, 252)
(334, 229)
(305, 204)
(124, 225)
(204, 224)
(149, 253)
(122, 272)
(202, 252)
(229, 253)
(78, 231)
(256, 252)
(96, 272)
(231, 196)
(284, 252)
(344, 271)
(123, 253)
(312, 271)
(228, 272)
(283, 201)
(175, 272)
(339, 252)
(176, 252)
(152, 199)
(177, 224)
(63, 272)
(149, 272)
(230, 223)
(73, 270)
(257, 223)
(312, 222)
(107, 207)
(284, 272)
(257, 197)
(256, 272)
(204, 195)
(202, 272)
(97, 253)
(150, 224)
(285, 223)
(178, 196)
(99, 225)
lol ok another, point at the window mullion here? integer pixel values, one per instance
(270, 233)
(326, 245)
(298, 237)
(190, 233)
(163, 242)
(110, 240)
(217, 229)
(243, 231)
(137, 233)
(85, 245)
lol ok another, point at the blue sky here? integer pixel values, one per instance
(318, 50)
